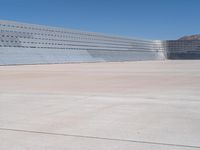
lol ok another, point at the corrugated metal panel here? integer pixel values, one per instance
(22, 43)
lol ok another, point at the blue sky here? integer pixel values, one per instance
(149, 19)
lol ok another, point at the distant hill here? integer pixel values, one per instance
(191, 37)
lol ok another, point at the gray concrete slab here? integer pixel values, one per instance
(130, 105)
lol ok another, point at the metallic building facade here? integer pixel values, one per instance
(183, 49)
(22, 43)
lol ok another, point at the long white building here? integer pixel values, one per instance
(22, 43)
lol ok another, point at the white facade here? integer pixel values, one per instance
(22, 43)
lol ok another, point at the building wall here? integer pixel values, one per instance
(183, 49)
(22, 43)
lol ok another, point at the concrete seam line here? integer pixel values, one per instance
(100, 138)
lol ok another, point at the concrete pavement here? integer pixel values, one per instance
(129, 105)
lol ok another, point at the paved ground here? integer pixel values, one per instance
(102, 106)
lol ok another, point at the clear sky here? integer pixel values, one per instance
(149, 19)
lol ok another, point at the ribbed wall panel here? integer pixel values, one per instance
(22, 43)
